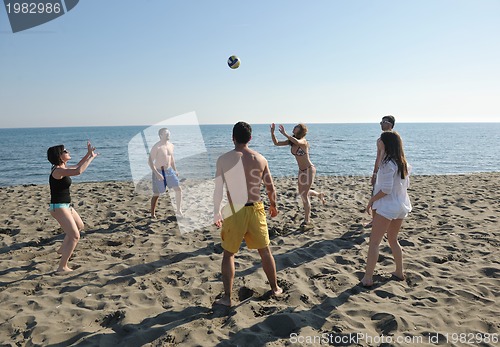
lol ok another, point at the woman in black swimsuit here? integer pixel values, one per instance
(60, 198)
(300, 149)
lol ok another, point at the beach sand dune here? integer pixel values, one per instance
(139, 281)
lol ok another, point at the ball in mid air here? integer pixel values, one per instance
(233, 62)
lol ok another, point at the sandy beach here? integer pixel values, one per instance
(139, 281)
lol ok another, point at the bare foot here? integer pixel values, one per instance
(366, 282)
(398, 277)
(278, 292)
(63, 271)
(322, 197)
(179, 214)
(306, 225)
(224, 301)
(153, 216)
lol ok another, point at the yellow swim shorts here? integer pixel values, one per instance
(249, 223)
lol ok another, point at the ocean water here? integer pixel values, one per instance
(336, 149)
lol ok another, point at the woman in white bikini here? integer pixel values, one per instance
(300, 150)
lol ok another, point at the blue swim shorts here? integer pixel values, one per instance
(52, 207)
(170, 180)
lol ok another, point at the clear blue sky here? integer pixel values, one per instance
(123, 62)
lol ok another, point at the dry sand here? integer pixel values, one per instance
(139, 281)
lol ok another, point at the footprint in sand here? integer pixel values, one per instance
(386, 323)
(491, 272)
(264, 311)
(245, 293)
(384, 294)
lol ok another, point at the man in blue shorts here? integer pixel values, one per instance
(164, 174)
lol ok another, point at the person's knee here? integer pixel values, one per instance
(74, 235)
(81, 226)
(227, 255)
(265, 252)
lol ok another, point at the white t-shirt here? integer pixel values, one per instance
(396, 204)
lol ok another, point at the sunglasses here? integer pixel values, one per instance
(65, 151)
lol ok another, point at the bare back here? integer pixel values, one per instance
(240, 169)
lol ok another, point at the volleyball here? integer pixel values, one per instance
(233, 62)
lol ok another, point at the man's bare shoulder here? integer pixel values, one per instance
(228, 158)
(227, 155)
(257, 155)
(156, 145)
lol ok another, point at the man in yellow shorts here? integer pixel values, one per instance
(242, 171)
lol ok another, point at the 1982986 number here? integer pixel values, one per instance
(33, 8)
(472, 338)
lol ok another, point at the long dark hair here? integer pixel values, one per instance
(54, 154)
(394, 151)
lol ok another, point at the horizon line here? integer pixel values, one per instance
(145, 125)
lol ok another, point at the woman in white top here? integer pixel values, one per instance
(390, 204)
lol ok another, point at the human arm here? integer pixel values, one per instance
(151, 164)
(385, 182)
(380, 155)
(374, 198)
(273, 137)
(79, 168)
(90, 149)
(271, 191)
(172, 163)
(218, 194)
(292, 139)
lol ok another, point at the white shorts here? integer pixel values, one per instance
(391, 215)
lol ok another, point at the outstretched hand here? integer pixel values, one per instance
(90, 150)
(273, 127)
(282, 130)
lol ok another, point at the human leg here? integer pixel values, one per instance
(65, 218)
(178, 200)
(305, 180)
(379, 228)
(320, 195)
(227, 270)
(269, 267)
(397, 252)
(159, 188)
(78, 221)
(154, 201)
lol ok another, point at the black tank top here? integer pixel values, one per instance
(59, 189)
